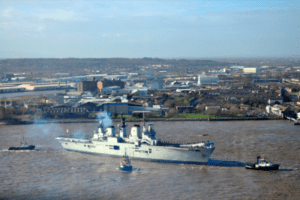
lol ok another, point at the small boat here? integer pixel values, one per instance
(125, 164)
(23, 146)
(262, 164)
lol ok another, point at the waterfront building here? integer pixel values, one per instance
(115, 108)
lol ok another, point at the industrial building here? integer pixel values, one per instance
(11, 89)
(86, 86)
(251, 70)
(203, 79)
(110, 89)
(66, 111)
(38, 87)
(18, 79)
(115, 108)
(108, 83)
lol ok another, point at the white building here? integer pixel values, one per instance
(212, 108)
(41, 86)
(133, 74)
(203, 79)
(252, 70)
(140, 85)
(18, 79)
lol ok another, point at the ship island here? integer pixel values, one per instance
(141, 144)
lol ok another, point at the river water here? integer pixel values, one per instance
(49, 172)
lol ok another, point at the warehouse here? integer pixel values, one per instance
(115, 108)
(203, 79)
(38, 87)
(11, 89)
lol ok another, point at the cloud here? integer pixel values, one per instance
(40, 28)
(111, 35)
(19, 20)
(60, 15)
(7, 12)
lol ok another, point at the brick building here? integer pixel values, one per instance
(108, 83)
(86, 86)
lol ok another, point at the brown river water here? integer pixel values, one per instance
(50, 172)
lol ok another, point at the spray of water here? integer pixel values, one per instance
(105, 119)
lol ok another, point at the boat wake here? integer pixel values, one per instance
(133, 170)
(223, 163)
(6, 150)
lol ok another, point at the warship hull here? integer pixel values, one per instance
(142, 152)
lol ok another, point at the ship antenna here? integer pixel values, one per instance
(144, 117)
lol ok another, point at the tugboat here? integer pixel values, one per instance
(262, 164)
(125, 164)
(23, 146)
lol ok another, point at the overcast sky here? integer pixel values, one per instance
(136, 29)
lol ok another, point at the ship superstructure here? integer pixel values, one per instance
(140, 144)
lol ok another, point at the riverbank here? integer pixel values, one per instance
(13, 122)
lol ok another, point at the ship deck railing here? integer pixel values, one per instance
(182, 145)
(72, 139)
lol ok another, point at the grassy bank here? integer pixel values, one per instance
(199, 116)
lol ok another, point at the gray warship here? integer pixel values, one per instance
(140, 144)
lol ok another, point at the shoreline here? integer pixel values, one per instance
(24, 122)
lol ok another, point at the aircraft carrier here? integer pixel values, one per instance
(140, 144)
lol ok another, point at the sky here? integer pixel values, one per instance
(157, 29)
